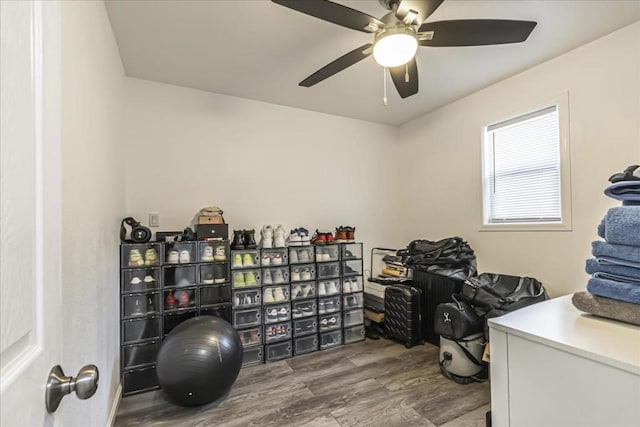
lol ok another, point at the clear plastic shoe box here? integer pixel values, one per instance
(222, 311)
(213, 251)
(303, 290)
(212, 295)
(211, 274)
(139, 255)
(140, 305)
(277, 313)
(354, 334)
(329, 305)
(328, 270)
(326, 253)
(138, 355)
(301, 254)
(275, 275)
(180, 252)
(306, 326)
(246, 279)
(275, 294)
(140, 330)
(252, 356)
(274, 257)
(305, 345)
(330, 339)
(278, 351)
(181, 277)
(329, 322)
(245, 259)
(179, 299)
(141, 279)
(251, 337)
(171, 320)
(352, 301)
(246, 318)
(303, 308)
(352, 268)
(277, 332)
(139, 380)
(353, 317)
(246, 298)
(303, 273)
(352, 284)
(329, 287)
(350, 251)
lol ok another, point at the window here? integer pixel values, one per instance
(525, 184)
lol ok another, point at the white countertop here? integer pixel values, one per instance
(557, 323)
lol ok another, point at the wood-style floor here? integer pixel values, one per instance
(371, 383)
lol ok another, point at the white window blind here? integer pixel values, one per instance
(522, 169)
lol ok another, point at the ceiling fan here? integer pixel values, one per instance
(398, 34)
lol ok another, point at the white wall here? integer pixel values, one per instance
(443, 194)
(261, 163)
(93, 204)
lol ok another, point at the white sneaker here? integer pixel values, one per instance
(278, 295)
(268, 295)
(267, 279)
(266, 259)
(297, 292)
(185, 257)
(283, 314)
(148, 279)
(295, 275)
(321, 307)
(355, 286)
(207, 254)
(305, 274)
(321, 289)
(279, 237)
(267, 237)
(278, 277)
(326, 256)
(276, 259)
(173, 257)
(221, 254)
(331, 288)
(294, 238)
(136, 281)
(293, 257)
(346, 286)
(305, 240)
(304, 255)
(319, 255)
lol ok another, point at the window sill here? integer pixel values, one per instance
(526, 227)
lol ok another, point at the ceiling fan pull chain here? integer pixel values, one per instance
(384, 85)
(406, 73)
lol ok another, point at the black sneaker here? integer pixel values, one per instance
(238, 239)
(348, 271)
(249, 239)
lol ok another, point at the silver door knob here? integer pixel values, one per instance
(84, 384)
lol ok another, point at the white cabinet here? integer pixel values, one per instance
(552, 365)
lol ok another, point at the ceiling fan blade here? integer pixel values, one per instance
(398, 75)
(345, 61)
(475, 32)
(335, 13)
(423, 8)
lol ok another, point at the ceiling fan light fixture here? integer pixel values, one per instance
(395, 46)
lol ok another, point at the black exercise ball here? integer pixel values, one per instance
(199, 361)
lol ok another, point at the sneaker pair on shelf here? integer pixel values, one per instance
(274, 295)
(150, 307)
(305, 291)
(350, 284)
(327, 288)
(272, 259)
(328, 306)
(276, 276)
(182, 257)
(243, 239)
(147, 279)
(183, 300)
(150, 258)
(299, 237)
(276, 331)
(242, 279)
(329, 322)
(246, 299)
(250, 337)
(301, 274)
(210, 254)
(303, 310)
(351, 301)
(243, 260)
(274, 314)
(273, 237)
(300, 256)
(345, 234)
(326, 254)
(216, 273)
(321, 238)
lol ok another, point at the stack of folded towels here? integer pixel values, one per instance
(614, 288)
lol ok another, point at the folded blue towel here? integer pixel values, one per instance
(598, 265)
(606, 250)
(614, 290)
(627, 191)
(617, 278)
(621, 225)
(605, 260)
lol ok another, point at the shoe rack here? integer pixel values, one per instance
(161, 285)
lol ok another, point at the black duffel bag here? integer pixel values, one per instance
(502, 292)
(457, 319)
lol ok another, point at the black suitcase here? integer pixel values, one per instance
(403, 314)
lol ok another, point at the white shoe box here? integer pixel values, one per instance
(375, 289)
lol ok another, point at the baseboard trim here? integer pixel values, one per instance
(114, 407)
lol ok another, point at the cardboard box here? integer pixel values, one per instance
(212, 231)
(202, 219)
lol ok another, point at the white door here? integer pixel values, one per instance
(30, 211)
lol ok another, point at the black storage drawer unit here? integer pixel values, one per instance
(436, 289)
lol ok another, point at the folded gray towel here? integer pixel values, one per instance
(606, 307)
(621, 226)
(601, 249)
